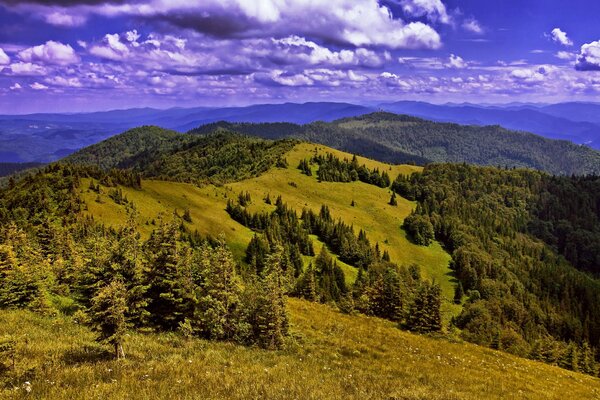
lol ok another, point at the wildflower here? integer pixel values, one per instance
(27, 387)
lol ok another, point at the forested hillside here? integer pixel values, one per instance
(404, 139)
(206, 239)
(519, 294)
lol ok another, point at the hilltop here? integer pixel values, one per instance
(404, 139)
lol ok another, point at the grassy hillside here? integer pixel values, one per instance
(207, 208)
(402, 139)
(330, 356)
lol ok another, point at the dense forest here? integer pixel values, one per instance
(166, 155)
(520, 294)
(398, 139)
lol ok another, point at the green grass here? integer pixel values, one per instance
(330, 356)
(371, 213)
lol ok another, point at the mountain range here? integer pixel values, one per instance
(48, 137)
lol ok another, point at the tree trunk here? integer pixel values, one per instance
(119, 353)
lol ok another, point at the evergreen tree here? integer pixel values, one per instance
(107, 316)
(218, 295)
(458, 293)
(271, 321)
(169, 298)
(424, 313)
(393, 201)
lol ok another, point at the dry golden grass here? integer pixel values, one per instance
(330, 356)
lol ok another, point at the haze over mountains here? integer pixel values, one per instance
(48, 137)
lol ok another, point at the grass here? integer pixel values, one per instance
(330, 356)
(371, 213)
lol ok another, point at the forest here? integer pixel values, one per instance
(514, 236)
(405, 139)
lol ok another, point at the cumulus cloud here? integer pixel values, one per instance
(531, 75)
(561, 37)
(350, 22)
(434, 10)
(456, 62)
(295, 49)
(589, 57)
(472, 25)
(27, 69)
(16, 86)
(566, 55)
(4, 58)
(51, 53)
(38, 86)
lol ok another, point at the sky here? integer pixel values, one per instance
(87, 55)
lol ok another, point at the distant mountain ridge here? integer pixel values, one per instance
(48, 137)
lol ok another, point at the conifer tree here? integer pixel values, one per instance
(393, 201)
(458, 293)
(218, 295)
(107, 316)
(271, 321)
(170, 300)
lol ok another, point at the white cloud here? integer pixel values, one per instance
(4, 58)
(456, 62)
(38, 86)
(532, 75)
(566, 55)
(59, 18)
(65, 82)
(51, 52)
(589, 57)
(16, 86)
(435, 10)
(357, 22)
(560, 37)
(27, 69)
(472, 25)
(291, 80)
(111, 48)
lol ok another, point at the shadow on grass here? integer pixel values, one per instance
(87, 354)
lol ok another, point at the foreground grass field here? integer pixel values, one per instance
(371, 212)
(330, 356)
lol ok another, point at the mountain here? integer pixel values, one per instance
(556, 122)
(49, 137)
(404, 139)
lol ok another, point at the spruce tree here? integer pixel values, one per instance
(107, 316)
(271, 321)
(393, 201)
(458, 293)
(218, 295)
(170, 300)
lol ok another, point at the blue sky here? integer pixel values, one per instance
(70, 55)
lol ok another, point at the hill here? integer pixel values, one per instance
(404, 139)
(566, 121)
(195, 262)
(333, 356)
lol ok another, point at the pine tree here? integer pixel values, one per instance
(218, 295)
(271, 321)
(424, 313)
(458, 293)
(170, 300)
(391, 295)
(307, 285)
(107, 316)
(393, 201)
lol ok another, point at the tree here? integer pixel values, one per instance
(218, 308)
(187, 216)
(424, 313)
(458, 293)
(307, 285)
(170, 299)
(107, 316)
(271, 321)
(419, 228)
(393, 201)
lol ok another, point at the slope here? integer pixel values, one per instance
(404, 139)
(332, 356)
(207, 204)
